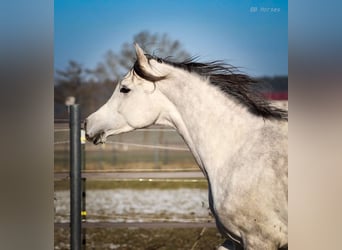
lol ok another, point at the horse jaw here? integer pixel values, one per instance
(102, 124)
(101, 137)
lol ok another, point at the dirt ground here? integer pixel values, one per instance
(143, 239)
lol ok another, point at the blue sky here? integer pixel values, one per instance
(248, 34)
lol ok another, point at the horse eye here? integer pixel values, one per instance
(125, 90)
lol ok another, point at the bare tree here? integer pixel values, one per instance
(116, 64)
(92, 87)
(68, 81)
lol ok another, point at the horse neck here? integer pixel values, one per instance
(207, 119)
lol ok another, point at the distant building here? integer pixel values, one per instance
(276, 96)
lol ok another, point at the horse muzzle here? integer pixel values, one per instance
(96, 138)
(99, 138)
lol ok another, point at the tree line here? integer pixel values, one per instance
(93, 87)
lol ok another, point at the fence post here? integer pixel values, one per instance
(83, 190)
(75, 178)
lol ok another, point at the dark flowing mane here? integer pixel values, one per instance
(229, 80)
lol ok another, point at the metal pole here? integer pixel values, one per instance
(83, 202)
(75, 178)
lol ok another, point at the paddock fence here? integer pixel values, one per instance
(152, 155)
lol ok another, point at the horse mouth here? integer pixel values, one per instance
(99, 138)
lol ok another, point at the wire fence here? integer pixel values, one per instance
(147, 149)
(149, 146)
(164, 130)
(146, 155)
(136, 145)
(61, 142)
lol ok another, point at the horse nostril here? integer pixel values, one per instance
(87, 137)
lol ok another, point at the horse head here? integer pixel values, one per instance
(135, 102)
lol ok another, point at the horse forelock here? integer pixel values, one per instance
(228, 79)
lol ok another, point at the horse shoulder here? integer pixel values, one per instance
(255, 196)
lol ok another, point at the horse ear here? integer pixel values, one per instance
(140, 54)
